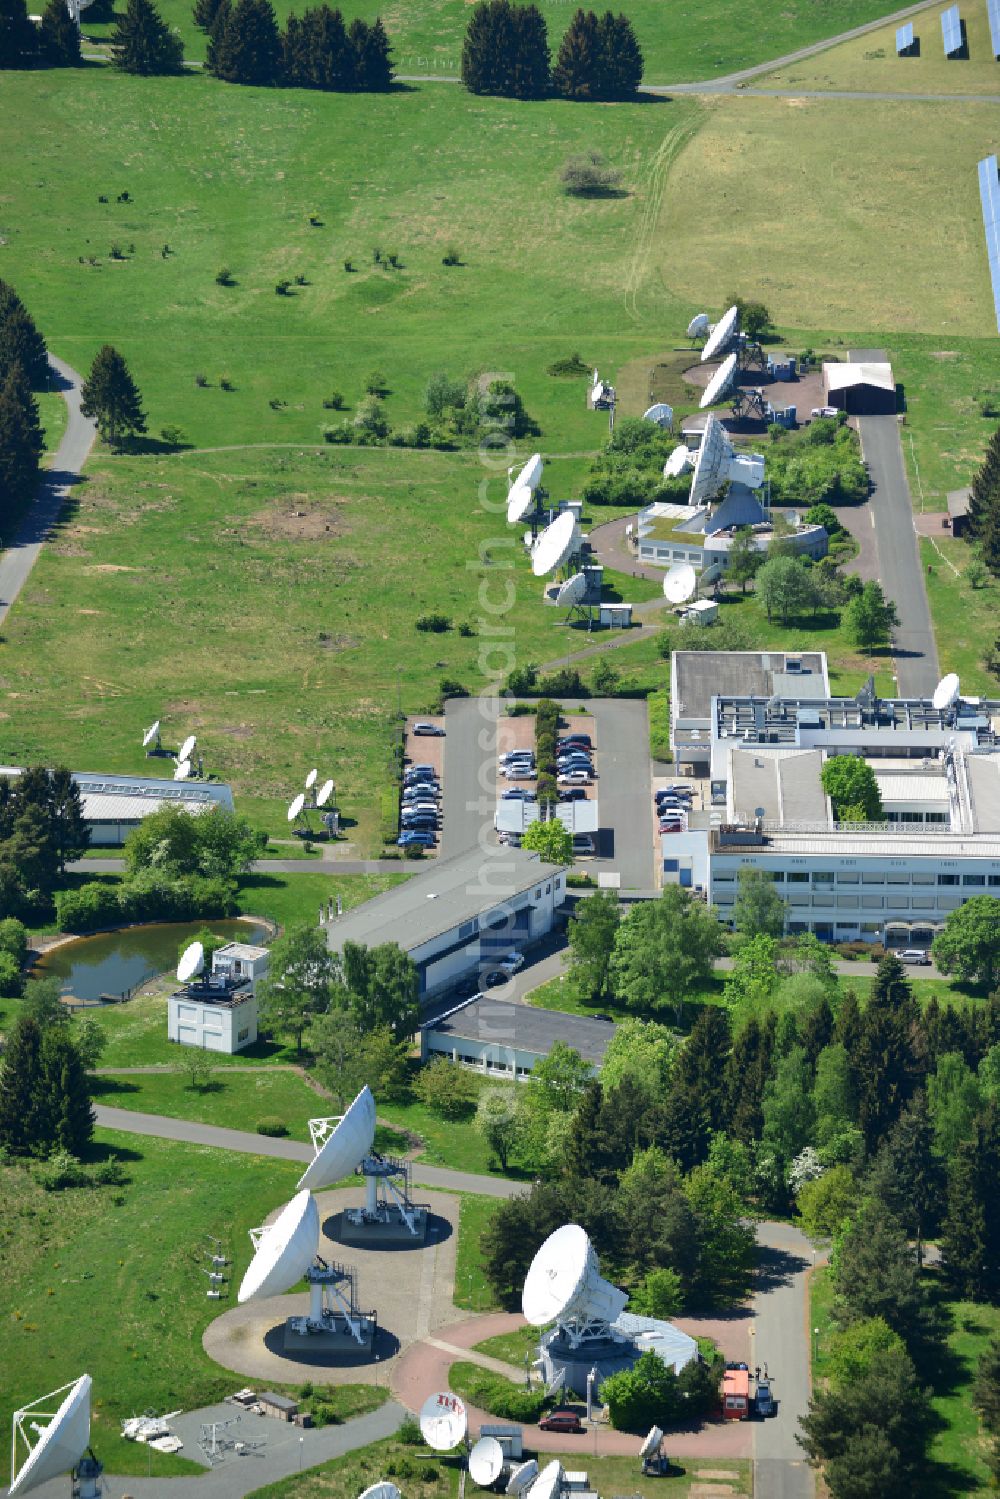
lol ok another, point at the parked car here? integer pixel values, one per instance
(915, 955)
(520, 773)
(763, 1400)
(574, 755)
(573, 778)
(575, 762)
(414, 838)
(583, 844)
(573, 794)
(671, 827)
(606, 1019)
(575, 739)
(567, 1422)
(523, 754)
(428, 728)
(518, 794)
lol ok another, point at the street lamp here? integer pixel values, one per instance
(301, 1440)
(815, 1342)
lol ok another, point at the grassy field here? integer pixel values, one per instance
(287, 898)
(965, 619)
(870, 64)
(472, 1289)
(511, 1346)
(234, 1101)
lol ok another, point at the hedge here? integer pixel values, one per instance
(98, 904)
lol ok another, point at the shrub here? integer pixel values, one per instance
(348, 265)
(435, 624)
(376, 384)
(172, 434)
(14, 938)
(272, 1126)
(370, 420)
(568, 367)
(11, 977)
(281, 288)
(590, 176)
(225, 383)
(501, 1397)
(334, 401)
(60, 1171)
(201, 381)
(451, 256)
(409, 1433)
(109, 1174)
(566, 682)
(446, 1089)
(224, 277)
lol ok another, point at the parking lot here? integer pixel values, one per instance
(424, 750)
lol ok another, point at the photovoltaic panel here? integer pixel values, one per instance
(989, 194)
(951, 31)
(993, 11)
(904, 35)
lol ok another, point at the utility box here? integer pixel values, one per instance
(240, 962)
(511, 1439)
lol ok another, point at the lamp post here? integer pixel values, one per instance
(301, 1441)
(815, 1342)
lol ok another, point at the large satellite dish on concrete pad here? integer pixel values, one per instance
(652, 1442)
(719, 383)
(340, 1152)
(679, 460)
(660, 413)
(711, 464)
(382, 1490)
(443, 1421)
(564, 1283)
(699, 325)
(555, 545)
(284, 1250)
(548, 1482)
(60, 1444)
(721, 334)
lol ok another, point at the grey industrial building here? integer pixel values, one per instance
(114, 803)
(506, 1040)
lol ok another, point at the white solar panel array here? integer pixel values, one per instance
(989, 193)
(993, 11)
(951, 31)
(904, 36)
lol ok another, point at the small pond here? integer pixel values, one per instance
(113, 962)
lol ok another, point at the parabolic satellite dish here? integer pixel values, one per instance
(183, 771)
(661, 414)
(721, 334)
(652, 1441)
(324, 793)
(345, 1148)
(699, 325)
(711, 464)
(945, 692)
(548, 1482)
(382, 1490)
(680, 583)
(60, 1444)
(554, 545)
(573, 591)
(519, 502)
(284, 1249)
(486, 1462)
(192, 962)
(443, 1421)
(719, 383)
(187, 748)
(151, 734)
(531, 474)
(564, 1282)
(679, 460)
(522, 1476)
(311, 779)
(295, 807)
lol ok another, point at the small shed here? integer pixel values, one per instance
(958, 510)
(511, 1439)
(616, 616)
(238, 960)
(278, 1406)
(862, 389)
(701, 612)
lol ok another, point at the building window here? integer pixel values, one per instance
(243, 1034)
(973, 879)
(872, 902)
(467, 929)
(897, 879)
(947, 879)
(797, 878)
(548, 888)
(823, 877)
(850, 877)
(922, 879)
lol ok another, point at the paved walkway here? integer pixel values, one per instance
(780, 1341)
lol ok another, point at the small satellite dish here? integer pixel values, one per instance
(150, 734)
(486, 1462)
(382, 1490)
(192, 962)
(311, 779)
(324, 793)
(183, 771)
(573, 591)
(522, 1476)
(721, 334)
(548, 1482)
(554, 545)
(661, 414)
(519, 501)
(719, 383)
(349, 1142)
(443, 1421)
(699, 325)
(652, 1442)
(679, 460)
(284, 1249)
(945, 692)
(296, 806)
(531, 474)
(564, 1281)
(680, 583)
(60, 1444)
(187, 748)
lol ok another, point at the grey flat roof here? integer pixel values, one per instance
(527, 1029)
(702, 675)
(442, 896)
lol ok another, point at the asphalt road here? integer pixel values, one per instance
(470, 771)
(56, 485)
(915, 650)
(780, 1339)
(625, 792)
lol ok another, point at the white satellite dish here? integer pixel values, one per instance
(183, 771)
(720, 382)
(311, 779)
(348, 1143)
(519, 502)
(382, 1490)
(323, 794)
(661, 414)
(711, 463)
(652, 1442)
(721, 334)
(443, 1421)
(187, 748)
(531, 474)
(522, 1476)
(555, 544)
(60, 1444)
(573, 591)
(699, 325)
(486, 1462)
(945, 692)
(151, 734)
(680, 583)
(564, 1282)
(297, 803)
(284, 1249)
(548, 1482)
(192, 962)
(679, 460)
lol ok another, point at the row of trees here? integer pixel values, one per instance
(23, 369)
(317, 51)
(983, 528)
(54, 43)
(41, 827)
(44, 1095)
(506, 51)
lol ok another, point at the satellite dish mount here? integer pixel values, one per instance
(389, 1211)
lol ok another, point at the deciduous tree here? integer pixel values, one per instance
(870, 617)
(551, 839)
(664, 951)
(969, 945)
(301, 973)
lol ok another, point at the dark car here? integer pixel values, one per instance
(763, 1400)
(574, 739)
(573, 794)
(564, 1421)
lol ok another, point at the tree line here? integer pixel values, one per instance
(315, 51)
(41, 827)
(53, 43)
(24, 368)
(506, 52)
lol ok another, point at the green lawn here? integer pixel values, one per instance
(447, 1142)
(472, 1289)
(511, 1346)
(965, 619)
(234, 1100)
(290, 898)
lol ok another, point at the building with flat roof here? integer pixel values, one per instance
(696, 677)
(860, 389)
(460, 914)
(506, 1040)
(114, 804)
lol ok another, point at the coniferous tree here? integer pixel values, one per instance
(143, 43)
(371, 55)
(111, 396)
(989, 537)
(329, 61)
(63, 1080)
(529, 72)
(18, 38)
(970, 1240)
(20, 444)
(985, 489)
(747, 1073)
(71, 832)
(204, 13)
(882, 1057)
(701, 1063)
(506, 51)
(576, 71)
(216, 36)
(624, 60)
(20, 1080)
(59, 36)
(247, 46)
(907, 1175)
(20, 341)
